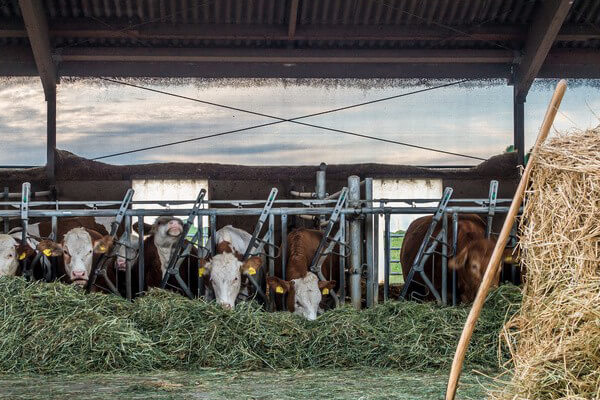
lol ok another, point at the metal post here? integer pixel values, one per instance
(51, 135)
(454, 252)
(25, 198)
(376, 257)
(284, 219)
(141, 267)
(213, 232)
(519, 127)
(355, 241)
(342, 291)
(5, 219)
(201, 255)
(271, 252)
(128, 284)
(320, 188)
(372, 285)
(444, 259)
(386, 244)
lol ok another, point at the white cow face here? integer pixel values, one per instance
(9, 260)
(225, 272)
(167, 228)
(78, 248)
(304, 294)
(127, 252)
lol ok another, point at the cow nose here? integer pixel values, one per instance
(121, 263)
(78, 274)
(226, 306)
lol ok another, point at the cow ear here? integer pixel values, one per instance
(103, 244)
(326, 286)
(147, 228)
(50, 248)
(251, 265)
(457, 262)
(278, 285)
(24, 251)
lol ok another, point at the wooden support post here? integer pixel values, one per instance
(519, 127)
(51, 137)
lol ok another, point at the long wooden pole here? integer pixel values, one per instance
(492, 267)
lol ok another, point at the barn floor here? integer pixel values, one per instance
(212, 384)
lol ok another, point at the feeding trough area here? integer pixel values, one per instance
(169, 274)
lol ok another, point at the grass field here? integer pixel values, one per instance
(217, 385)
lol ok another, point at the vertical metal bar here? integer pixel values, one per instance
(387, 244)
(492, 197)
(5, 219)
(342, 286)
(127, 236)
(376, 257)
(355, 242)
(519, 127)
(320, 189)
(51, 136)
(371, 281)
(284, 244)
(213, 232)
(271, 252)
(454, 252)
(141, 266)
(201, 256)
(444, 259)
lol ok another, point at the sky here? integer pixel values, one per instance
(95, 118)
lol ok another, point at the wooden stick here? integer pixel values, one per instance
(492, 267)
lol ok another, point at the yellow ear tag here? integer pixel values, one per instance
(22, 256)
(325, 291)
(201, 271)
(47, 252)
(102, 248)
(251, 271)
(279, 289)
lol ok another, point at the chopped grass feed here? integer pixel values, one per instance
(56, 328)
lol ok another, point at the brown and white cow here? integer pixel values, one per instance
(227, 275)
(470, 262)
(158, 246)
(11, 252)
(304, 290)
(79, 248)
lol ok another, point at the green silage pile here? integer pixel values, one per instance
(55, 328)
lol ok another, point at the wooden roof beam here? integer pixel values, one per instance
(546, 25)
(293, 19)
(38, 34)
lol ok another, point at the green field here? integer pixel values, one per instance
(217, 385)
(395, 255)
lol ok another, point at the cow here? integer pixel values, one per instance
(158, 246)
(304, 289)
(11, 252)
(470, 261)
(227, 273)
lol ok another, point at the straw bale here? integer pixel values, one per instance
(555, 338)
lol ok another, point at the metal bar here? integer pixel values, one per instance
(6, 221)
(519, 128)
(200, 256)
(141, 266)
(386, 244)
(333, 218)
(342, 277)
(51, 134)
(128, 266)
(444, 259)
(372, 284)
(25, 191)
(259, 224)
(454, 252)
(492, 207)
(376, 257)
(355, 242)
(213, 233)
(320, 190)
(271, 250)
(284, 246)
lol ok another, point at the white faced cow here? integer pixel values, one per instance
(10, 253)
(226, 273)
(78, 247)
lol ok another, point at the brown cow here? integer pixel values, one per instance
(470, 262)
(302, 286)
(164, 234)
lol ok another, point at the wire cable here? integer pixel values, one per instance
(282, 120)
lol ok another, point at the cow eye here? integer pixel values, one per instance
(235, 279)
(66, 252)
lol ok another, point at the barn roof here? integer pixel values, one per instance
(302, 38)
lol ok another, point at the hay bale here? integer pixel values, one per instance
(555, 337)
(50, 328)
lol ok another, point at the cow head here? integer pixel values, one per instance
(167, 228)
(128, 251)
(225, 272)
(471, 263)
(78, 248)
(304, 294)
(10, 253)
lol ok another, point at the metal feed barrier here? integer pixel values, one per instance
(358, 251)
